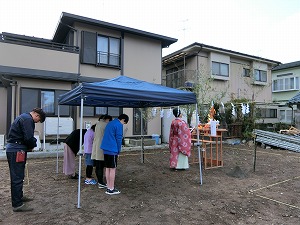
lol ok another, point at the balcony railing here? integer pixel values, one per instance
(36, 42)
(181, 79)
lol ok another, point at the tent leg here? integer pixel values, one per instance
(80, 152)
(142, 139)
(198, 141)
(254, 157)
(57, 140)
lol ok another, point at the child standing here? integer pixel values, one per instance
(88, 145)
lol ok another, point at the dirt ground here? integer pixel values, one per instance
(151, 193)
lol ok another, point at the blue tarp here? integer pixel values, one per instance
(127, 92)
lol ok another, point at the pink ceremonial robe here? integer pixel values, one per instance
(179, 140)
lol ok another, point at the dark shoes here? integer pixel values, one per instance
(112, 192)
(75, 176)
(102, 185)
(26, 199)
(22, 208)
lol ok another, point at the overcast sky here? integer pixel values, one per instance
(264, 28)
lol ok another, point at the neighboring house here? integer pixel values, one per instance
(224, 75)
(285, 85)
(35, 71)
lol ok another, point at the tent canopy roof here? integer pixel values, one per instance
(126, 92)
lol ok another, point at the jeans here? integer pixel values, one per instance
(17, 173)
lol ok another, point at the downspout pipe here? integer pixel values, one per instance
(293, 116)
(11, 85)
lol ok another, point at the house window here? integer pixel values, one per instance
(267, 113)
(277, 85)
(45, 99)
(220, 69)
(137, 118)
(101, 110)
(108, 51)
(246, 72)
(88, 111)
(97, 111)
(286, 84)
(260, 75)
(114, 111)
(286, 116)
(100, 50)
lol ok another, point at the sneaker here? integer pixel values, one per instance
(112, 192)
(22, 208)
(102, 185)
(92, 182)
(26, 199)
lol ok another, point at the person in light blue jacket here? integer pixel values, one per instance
(111, 145)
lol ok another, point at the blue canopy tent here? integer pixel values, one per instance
(126, 92)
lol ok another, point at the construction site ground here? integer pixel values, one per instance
(151, 193)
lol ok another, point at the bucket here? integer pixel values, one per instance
(126, 141)
(156, 138)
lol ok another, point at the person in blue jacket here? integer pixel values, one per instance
(111, 145)
(20, 140)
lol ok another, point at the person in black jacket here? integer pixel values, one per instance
(71, 148)
(20, 140)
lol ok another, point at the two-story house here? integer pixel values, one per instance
(285, 85)
(35, 71)
(222, 75)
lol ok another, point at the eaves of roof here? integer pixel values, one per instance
(287, 66)
(28, 38)
(38, 74)
(197, 47)
(67, 20)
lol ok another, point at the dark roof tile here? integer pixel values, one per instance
(287, 66)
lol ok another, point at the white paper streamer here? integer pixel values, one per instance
(233, 109)
(247, 109)
(154, 112)
(161, 113)
(169, 113)
(243, 108)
